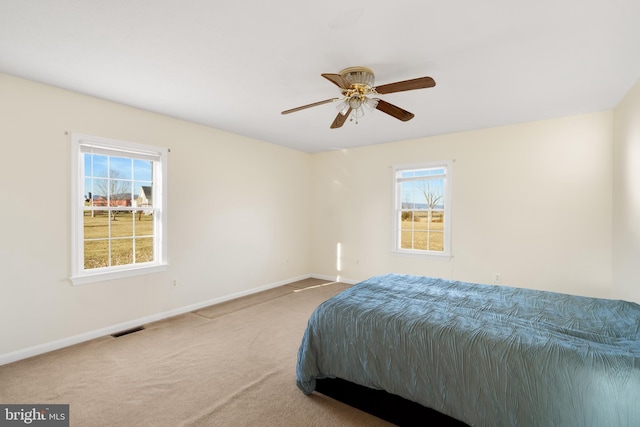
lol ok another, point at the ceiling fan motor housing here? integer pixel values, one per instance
(359, 76)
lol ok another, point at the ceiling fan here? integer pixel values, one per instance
(356, 84)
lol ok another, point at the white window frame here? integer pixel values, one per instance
(397, 208)
(79, 144)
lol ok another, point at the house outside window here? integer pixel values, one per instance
(422, 200)
(118, 208)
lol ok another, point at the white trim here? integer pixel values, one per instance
(101, 142)
(87, 146)
(427, 255)
(14, 356)
(117, 274)
(335, 279)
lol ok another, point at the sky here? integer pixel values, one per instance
(421, 181)
(104, 174)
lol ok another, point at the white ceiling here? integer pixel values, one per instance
(235, 65)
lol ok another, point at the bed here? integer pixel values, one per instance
(485, 355)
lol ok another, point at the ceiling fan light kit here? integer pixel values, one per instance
(356, 85)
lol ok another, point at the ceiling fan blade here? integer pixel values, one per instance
(419, 83)
(337, 80)
(394, 111)
(340, 119)
(315, 104)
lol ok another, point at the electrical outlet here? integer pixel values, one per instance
(496, 277)
(174, 283)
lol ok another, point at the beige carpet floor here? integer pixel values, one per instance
(232, 364)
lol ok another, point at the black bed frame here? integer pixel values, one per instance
(389, 407)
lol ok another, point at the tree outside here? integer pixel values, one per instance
(422, 222)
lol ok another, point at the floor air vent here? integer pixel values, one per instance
(127, 332)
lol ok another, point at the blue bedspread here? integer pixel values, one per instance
(485, 355)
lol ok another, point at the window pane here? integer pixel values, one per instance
(96, 224)
(408, 194)
(142, 170)
(121, 224)
(100, 192)
(406, 239)
(420, 230)
(419, 197)
(420, 240)
(431, 193)
(143, 193)
(144, 250)
(121, 251)
(406, 218)
(437, 220)
(435, 241)
(99, 166)
(143, 223)
(87, 191)
(120, 192)
(120, 167)
(88, 165)
(96, 254)
(420, 220)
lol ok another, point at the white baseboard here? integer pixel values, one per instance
(35, 350)
(335, 279)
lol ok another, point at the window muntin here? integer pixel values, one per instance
(118, 208)
(422, 199)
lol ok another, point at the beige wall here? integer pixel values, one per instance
(626, 197)
(531, 202)
(238, 217)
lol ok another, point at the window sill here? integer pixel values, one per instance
(117, 274)
(424, 255)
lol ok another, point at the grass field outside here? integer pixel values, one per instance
(123, 236)
(420, 232)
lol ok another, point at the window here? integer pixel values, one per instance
(422, 200)
(118, 208)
